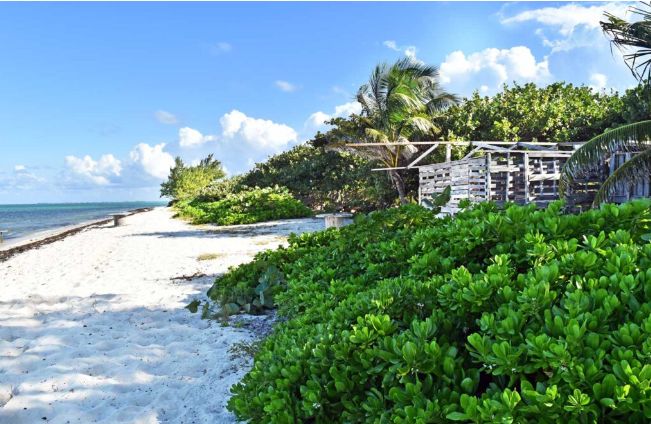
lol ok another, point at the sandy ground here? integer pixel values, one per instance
(93, 327)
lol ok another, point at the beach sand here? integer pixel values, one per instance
(93, 327)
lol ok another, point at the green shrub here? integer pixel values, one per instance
(220, 189)
(324, 180)
(245, 207)
(187, 182)
(520, 315)
(558, 112)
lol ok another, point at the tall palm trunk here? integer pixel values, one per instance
(399, 184)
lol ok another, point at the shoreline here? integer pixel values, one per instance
(14, 247)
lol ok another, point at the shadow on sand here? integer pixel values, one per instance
(92, 359)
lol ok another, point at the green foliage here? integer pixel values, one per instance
(515, 315)
(559, 112)
(219, 189)
(637, 103)
(187, 182)
(244, 207)
(439, 200)
(324, 180)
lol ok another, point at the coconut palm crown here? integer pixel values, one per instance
(400, 103)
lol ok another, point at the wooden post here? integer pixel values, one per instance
(488, 177)
(627, 186)
(525, 163)
(612, 166)
(508, 177)
(555, 170)
(448, 152)
(117, 219)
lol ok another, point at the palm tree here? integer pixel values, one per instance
(400, 102)
(634, 39)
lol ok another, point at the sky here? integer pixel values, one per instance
(96, 99)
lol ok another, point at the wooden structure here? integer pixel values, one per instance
(118, 219)
(500, 172)
(338, 220)
(519, 172)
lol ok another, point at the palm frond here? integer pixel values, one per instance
(632, 35)
(627, 138)
(440, 100)
(633, 171)
(420, 123)
(376, 135)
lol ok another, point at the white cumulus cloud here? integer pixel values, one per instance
(570, 26)
(598, 81)
(286, 86)
(20, 179)
(189, 137)
(572, 34)
(258, 133)
(316, 121)
(98, 172)
(165, 117)
(153, 160)
(492, 67)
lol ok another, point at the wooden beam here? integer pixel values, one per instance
(533, 146)
(462, 143)
(470, 153)
(421, 157)
(388, 169)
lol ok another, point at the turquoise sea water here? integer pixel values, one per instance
(24, 220)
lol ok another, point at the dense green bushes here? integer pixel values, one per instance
(493, 316)
(244, 207)
(559, 112)
(324, 180)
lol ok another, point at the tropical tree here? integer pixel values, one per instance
(187, 182)
(400, 103)
(634, 39)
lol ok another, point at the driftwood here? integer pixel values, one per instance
(8, 253)
(190, 277)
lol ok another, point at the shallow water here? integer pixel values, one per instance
(23, 220)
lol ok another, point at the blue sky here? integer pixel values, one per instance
(97, 98)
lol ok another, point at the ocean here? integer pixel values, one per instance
(24, 220)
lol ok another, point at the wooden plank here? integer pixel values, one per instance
(421, 157)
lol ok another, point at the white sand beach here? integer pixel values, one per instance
(93, 327)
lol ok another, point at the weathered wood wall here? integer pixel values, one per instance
(520, 177)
